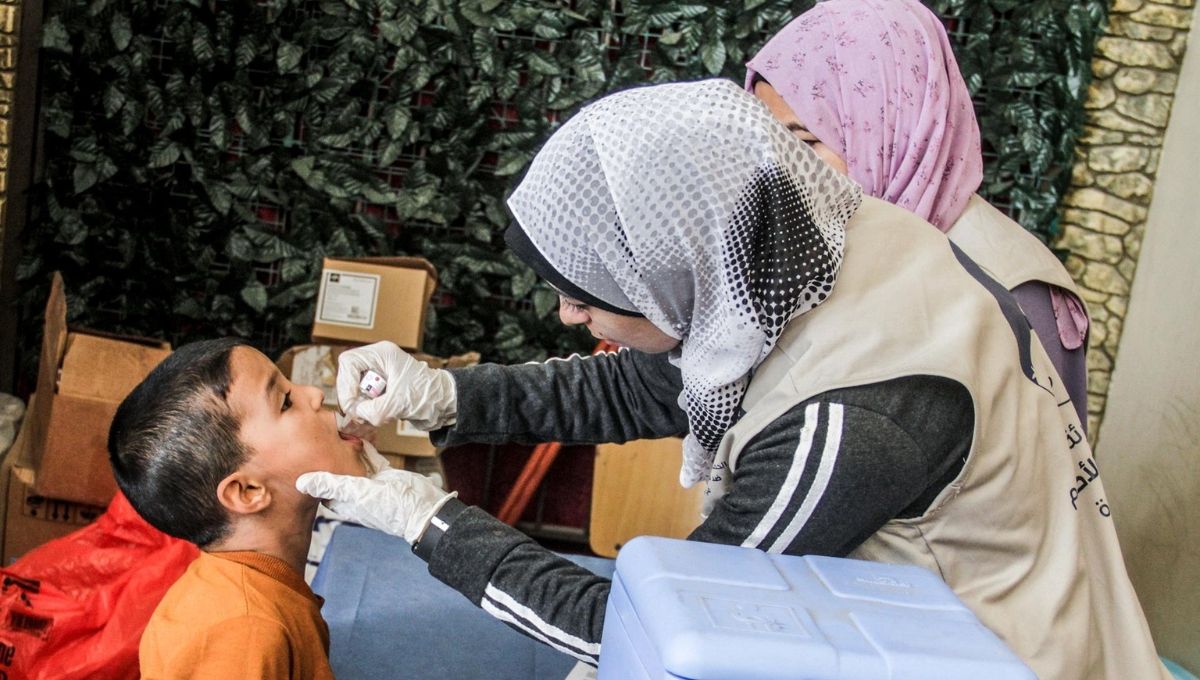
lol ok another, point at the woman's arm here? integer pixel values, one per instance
(528, 587)
(831, 471)
(819, 480)
(612, 397)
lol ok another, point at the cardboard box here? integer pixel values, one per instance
(317, 365)
(82, 377)
(368, 299)
(31, 519)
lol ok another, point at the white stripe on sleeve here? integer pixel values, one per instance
(833, 442)
(506, 617)
(533, 624)
(799, 460)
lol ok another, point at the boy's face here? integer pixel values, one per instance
(285, 428)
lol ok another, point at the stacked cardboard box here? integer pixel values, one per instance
(57, 472)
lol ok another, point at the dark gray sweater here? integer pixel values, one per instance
(895, 446)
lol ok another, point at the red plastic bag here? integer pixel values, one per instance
(76, 607)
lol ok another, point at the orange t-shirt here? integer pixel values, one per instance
(237, 615)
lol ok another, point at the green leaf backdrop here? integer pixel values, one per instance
(200, 157)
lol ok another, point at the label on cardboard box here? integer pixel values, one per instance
(348, 298)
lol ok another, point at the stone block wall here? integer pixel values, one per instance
(1135, 70)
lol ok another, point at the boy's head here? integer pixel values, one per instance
(216, 433)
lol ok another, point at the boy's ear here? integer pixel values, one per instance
(243, 494)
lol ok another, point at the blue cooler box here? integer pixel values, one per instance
(683, 609)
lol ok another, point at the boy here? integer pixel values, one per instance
(207, 448)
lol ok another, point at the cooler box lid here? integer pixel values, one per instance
(703, 611)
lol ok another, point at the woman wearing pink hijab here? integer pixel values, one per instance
(874, 87)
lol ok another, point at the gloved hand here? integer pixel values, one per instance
(397, 502)
(415, 392)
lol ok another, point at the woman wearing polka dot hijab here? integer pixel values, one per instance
(848, 383)
(874, 87)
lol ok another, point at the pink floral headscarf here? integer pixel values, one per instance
(877, 82)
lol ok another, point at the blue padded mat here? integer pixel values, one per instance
(388, 618)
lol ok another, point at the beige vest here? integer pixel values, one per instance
(1023, 535)
(1005, 249)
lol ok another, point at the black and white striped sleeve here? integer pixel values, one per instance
(831, 471)
(818, 480)
(528, 587)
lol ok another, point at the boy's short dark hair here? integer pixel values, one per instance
(174, 438)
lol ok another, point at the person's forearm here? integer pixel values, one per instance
(614, 397)
(508, 575)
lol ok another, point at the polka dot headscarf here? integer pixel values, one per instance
(689, 204)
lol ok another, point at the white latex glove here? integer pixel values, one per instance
(373, 462)
(415, 392)
(397, 502)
